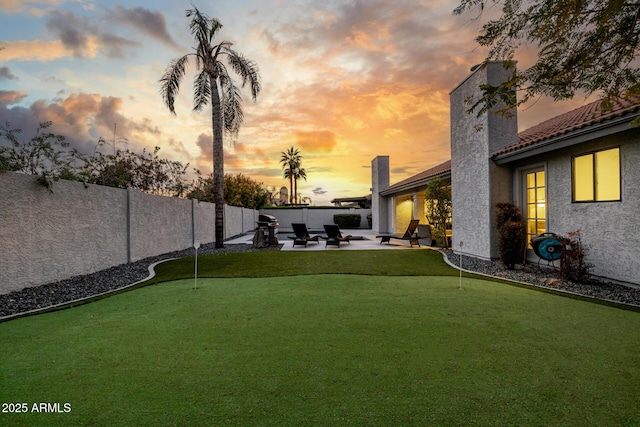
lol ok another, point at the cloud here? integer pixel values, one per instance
(318, 191)
(320, 140)
(84, 38)
(11, 97)
(205, 143)
(82, 118)
(72, 31)
(149, 22)
(36, 50)
(6, 74)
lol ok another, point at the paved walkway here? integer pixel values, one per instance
(368, 242)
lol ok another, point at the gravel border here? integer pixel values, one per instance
(547, 277)
(50, 295)
(56, 294)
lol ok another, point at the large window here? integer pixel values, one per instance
(596, 176)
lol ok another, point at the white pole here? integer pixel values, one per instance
(460, 288)
(196, 245)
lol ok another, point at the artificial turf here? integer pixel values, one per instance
(325, 349)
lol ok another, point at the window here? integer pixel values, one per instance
(535, 211)
(596, 176)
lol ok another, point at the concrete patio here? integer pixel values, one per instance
(362, 239)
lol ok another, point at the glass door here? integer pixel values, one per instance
(535, 197)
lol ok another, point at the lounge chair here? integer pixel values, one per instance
(302, 236)
(413, 239)
(334, 236)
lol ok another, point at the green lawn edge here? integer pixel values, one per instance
(286, 263)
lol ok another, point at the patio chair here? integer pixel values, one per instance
(413, 239)
(302, 236)
(334, 236)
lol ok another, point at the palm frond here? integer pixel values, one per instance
(171, 79)
(247, 70)
(201, 91)
(232, 107)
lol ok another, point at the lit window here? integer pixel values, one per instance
(596, 176)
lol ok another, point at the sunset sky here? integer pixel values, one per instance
(343, 81)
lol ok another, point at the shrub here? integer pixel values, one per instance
(347, 220)
(573, 266)
(512, 235)
(438, 209)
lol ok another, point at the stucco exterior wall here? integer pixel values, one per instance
(477, 184)
(610, 230)
(48, 237)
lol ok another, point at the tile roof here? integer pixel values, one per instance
(424, 175)
(579, 118)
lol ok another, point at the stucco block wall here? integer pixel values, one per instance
(159, 225)
(611, 230)
(48, 237)
(204, 222)
(477, 184)
(238, 220)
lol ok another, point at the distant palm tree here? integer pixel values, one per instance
(290, 161)
(298, 173)
(213, 83)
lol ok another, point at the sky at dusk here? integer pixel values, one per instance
(343, 81)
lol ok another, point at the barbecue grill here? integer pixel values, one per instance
(269, 224)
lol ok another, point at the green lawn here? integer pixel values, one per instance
(325, 349)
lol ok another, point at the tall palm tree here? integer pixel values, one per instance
(290, 161)
(298, 173)
(213, 84)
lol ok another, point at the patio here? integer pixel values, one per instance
(362, 239)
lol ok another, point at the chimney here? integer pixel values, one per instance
(477, 183)
(379, 204)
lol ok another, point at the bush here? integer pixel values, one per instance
(347, 220)
(512, 235)
(573, 266)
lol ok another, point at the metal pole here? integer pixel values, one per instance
(460, 288)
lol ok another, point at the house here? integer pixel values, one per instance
(405, 200)
(576, 171)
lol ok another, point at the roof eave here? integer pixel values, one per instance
(415, 184)
(578, 136)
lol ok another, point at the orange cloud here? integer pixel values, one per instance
(36, 50)
(11, 97)
(321, 140)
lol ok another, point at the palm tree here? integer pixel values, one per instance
(213, 83)
(298, 173)
(290, 161)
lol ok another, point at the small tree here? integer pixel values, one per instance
(239, 190)
(512, 234)
(588, 46)
(42, 155)
(438, 208)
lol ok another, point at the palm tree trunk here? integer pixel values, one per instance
(295, 191)
(290, 185)
(218, 163)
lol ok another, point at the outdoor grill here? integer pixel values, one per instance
(270, 224)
